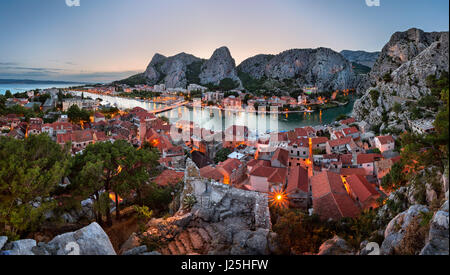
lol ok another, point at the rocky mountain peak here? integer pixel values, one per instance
(221, 65)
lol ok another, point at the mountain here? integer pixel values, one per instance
(292, 69)
(172, 71)
(322, 67)
(367, 59)
(400, 75)
(219, 67)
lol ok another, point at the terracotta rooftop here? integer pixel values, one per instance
(340, 142)
(386, 140)
(350, 131)
(367, 158)
(353, 171)
(361, 187)
(282, 156)
(210, 172)
(230, 165)
(297, 179)
(169, 177)
(330, 199)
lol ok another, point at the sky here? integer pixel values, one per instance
(105, 40)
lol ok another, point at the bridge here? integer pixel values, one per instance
(168, 108)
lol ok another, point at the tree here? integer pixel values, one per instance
(8, 94)
(76, 115)
(116, 168)
(222, 155)
(30, 170)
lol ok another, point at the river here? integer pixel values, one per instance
(217, 120)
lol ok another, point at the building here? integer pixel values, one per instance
(298, 187)
(367, 161)
(99, 117)
(232, 170)
(330, 199)
(422, 126)
(384, 143)
(232, 102)
(341, 146)
(362, 191)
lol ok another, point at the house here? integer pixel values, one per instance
(210, 172)
(266, 178)
(384, 143)
(299, 148)
(34, 129)
(330, 198)
(422, 126)
(298, 187)
(320, 143)
(280, 159)
(232, 170)
(367, 161)
(362, 191)
(341, 146)
(351, 132)
(79, 139)
(169, 178)
(99, 117)
(347, 121)
(232, 102)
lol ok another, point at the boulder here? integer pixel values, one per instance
(438, 237)
(21, 247)
(396, 228)
(3, 240)
(335, 246)
(136, 251)
(90, 240)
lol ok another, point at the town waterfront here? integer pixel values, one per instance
(215, 119)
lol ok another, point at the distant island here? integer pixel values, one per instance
(29, 81)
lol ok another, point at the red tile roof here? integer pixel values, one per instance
(348, 121)
(330, 199)
(210, 172)
(386, 140)
(169, 177)
(362, 189)
(346, 159)
(340, 142)
(274, 175)
(297, 179)
(319, 140)
(230, 165)
(367, 158)
(350, 131)
(282, 156)
(353, 171)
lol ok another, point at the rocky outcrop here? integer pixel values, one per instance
(90, 240)
(220, 66)
(438, 238)
(396, 229)
(222, 220)
(322, 67)
(361, 57)
(336, 246)
(256, 66)
(171, 71)
(399, 75)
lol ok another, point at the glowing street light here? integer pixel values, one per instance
(279, 198)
